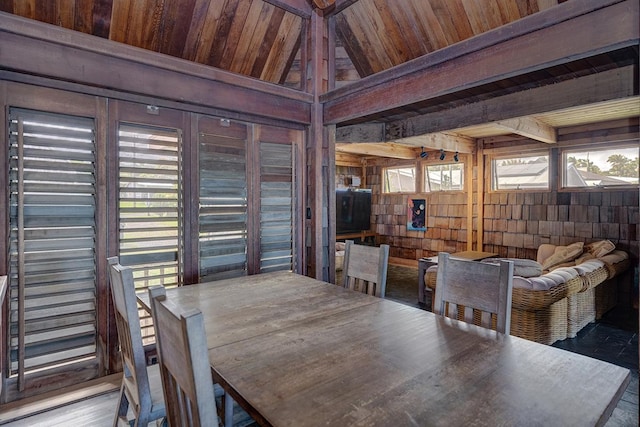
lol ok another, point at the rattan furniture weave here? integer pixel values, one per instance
(560, 312)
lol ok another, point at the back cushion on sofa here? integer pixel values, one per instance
(545, 250)
(600, 248)
(521, 267)
(563, 254)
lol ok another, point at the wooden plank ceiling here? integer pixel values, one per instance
(262, 39)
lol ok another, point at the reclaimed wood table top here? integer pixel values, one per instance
(296, 351)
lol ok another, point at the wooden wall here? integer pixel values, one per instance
(516, 224)
(446, 217)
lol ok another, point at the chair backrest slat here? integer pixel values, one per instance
(129, 332)
(184, 362)
(481, 292)
(365, 268)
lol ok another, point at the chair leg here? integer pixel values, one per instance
(228, 410)
(123, 407)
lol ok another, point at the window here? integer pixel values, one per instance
(611, 167)
(276, 207)
(223, 200)
(52, 319)
(520, 173)
(149, 215)
(400, 180)
(444, 177)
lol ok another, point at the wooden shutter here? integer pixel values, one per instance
(276, 207)
(149, 212)
(223, 200)
(52, 241)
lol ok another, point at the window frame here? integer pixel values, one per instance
(397, 167)
(563, 153)
(492, 158)
(463, 179)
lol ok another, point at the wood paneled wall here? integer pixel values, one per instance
(445, 215)
(516, 224)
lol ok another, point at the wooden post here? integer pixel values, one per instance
(318, 157)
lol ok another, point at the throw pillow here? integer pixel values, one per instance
(563, 254)
(521, 267)
(600, 248)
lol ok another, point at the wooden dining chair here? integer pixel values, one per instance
(365, 268)
(141, 387)
(184, 362)
(476, 292)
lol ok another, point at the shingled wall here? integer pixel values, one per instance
(514, 223)
(446, 221)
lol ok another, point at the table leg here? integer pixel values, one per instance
(423, 264)
(228, 410)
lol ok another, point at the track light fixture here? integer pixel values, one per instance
(455, 157)
(423, 153)
(442, 155)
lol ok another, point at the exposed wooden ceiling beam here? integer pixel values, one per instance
(606, 86)
(324, 6)
(442, 141)
(347, 159)
(30, 48)
(395, 151)
(531, 128)
(527, 45)
(297, 7)
(342, 5)
(366, 132)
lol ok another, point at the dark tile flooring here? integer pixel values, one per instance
(614, 339)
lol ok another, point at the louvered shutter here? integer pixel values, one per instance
(223, 206)
(149, 212)
(276, 207)
(52, 241)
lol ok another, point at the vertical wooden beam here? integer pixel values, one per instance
(106, 337)
(331, 201)
(317, 200)
(112, 196)
(4, 196)
(4, 227)
(468, 173)
(254, 203)
(190, 176)
(480, 200)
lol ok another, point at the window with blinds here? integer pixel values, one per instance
(52, 236)
(276, 207)
(223, 206)
(149, 212)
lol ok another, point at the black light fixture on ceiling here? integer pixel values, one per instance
(455, 157)
(442, 155)
(423, 153)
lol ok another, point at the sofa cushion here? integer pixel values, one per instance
(545, 250)
(563, 254)
(546, 281)
(615, 257)
(600, 248)
(521, 267)
(586, 256)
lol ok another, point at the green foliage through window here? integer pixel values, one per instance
(610, 167)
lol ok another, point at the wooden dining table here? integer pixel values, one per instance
(295, 351)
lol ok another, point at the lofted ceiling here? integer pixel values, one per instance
(264, 39)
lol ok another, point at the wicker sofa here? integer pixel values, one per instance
(563, 298)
